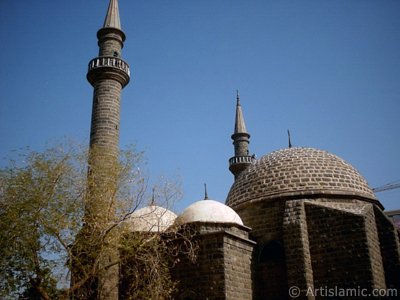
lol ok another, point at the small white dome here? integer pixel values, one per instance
(151, 218)
(208, 211)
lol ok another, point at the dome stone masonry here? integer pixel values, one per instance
(298, 173)
(208, 211)
(151, 218)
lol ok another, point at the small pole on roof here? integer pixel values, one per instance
(205, 192)
(153, 197)
(290, 142)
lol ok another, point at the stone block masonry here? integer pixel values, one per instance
(344, 246)
(390, 249)
(105, 122)
(222, 269)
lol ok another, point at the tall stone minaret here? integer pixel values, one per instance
(108, 74)
(241, 140)
(93, 248)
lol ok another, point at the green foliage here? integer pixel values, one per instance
(147, 258)
(60, 213)
(40, 214)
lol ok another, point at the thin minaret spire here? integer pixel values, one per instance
(241, 140)
(240, 126)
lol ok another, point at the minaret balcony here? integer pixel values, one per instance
(241, 160)
(108, 67)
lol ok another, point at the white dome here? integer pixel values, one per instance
(151, 219)
(208, 211)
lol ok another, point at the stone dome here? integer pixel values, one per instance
(298, 172)
(151, 218)
(208, 211)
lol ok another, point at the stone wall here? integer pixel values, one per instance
(297, 249)
(237, 265)
(222, 269)
(320, 242)
(390, 249)
(344, 246)
(264, 218)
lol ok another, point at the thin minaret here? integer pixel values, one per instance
(241, 140)
(108, 73)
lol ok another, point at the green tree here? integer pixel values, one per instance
(43, 205)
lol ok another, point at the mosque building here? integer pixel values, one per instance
(294, 219)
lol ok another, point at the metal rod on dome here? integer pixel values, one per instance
(290, 142)
(153, 197)
(205, 192)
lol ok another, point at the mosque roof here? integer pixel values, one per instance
(208, 211)
(151, 218)
(298, 172)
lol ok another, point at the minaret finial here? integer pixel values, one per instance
(205, 192)
(290, 142)
(112, 18)
(240, 126)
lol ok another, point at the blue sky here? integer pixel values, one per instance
(327, 70)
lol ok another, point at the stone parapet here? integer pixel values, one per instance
(108, 68)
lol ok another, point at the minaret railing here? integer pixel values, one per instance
(109, 61)
(241, 159)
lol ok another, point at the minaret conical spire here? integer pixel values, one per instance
(241, 140)
(112, 18)
(240, 126)
(111, 30)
